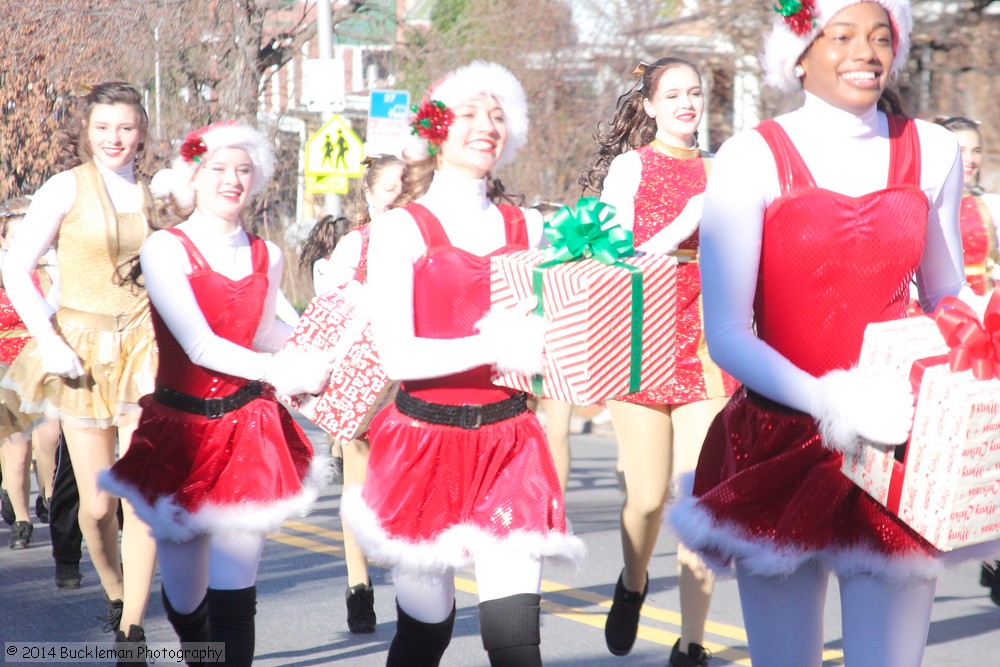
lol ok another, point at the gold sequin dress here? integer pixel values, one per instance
(107, 324)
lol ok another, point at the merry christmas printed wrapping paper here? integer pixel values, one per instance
(358, 387)
(611, 327)
(947, 484)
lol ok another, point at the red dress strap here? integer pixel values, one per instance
(361, 271)
(258, 252)
(904, 151)
(793, 173)
(515, 227)
(428, 224)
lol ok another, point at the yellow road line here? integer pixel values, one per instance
(591, 618)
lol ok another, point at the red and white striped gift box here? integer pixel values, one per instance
(588, 307)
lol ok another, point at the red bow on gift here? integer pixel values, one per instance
(973, 344)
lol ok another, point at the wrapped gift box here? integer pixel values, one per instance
(592, 350)
(945, 482)
(358, 385)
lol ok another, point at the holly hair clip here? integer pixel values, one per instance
(432, 123)
(799, 15)
(194, 145)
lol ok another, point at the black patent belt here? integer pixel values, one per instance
(463, 416)
(213, 408)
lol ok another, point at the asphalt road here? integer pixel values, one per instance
(301, 612)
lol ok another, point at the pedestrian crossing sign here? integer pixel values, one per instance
(333, 150)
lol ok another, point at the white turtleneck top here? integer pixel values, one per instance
(846, 153)
(165, 267)
(49, 206)
(473, 224)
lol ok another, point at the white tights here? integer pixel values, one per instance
(223, 562)
(430, 597)
(884, 623)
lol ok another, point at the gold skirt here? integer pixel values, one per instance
(118, 354)
(12, 420)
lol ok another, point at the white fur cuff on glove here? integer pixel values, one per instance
(853, 406)
(516, 340)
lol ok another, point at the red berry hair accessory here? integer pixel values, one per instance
(194, 145)
(799, 15)
(432, 122)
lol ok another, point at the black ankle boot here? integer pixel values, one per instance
(231, 621)
(623, 619)
(510, 630)
(696, 656)
(418, 644)
(361, 608)
(114, 617)
(191, 628)
(131, 647)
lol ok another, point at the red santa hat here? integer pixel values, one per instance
(199, 145)
(800, 21)
(478, 78)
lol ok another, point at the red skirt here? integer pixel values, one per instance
(435, 495)
(769, 494)
(186, 474)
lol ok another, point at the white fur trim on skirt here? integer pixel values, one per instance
(169, 521)
(455, 547)
(720, 543)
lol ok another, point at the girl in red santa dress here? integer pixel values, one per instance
(216, 461)
(459, 472)
(650, 168)
(814, 224)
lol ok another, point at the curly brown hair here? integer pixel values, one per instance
(75, 148)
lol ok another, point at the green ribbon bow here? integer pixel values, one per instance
(590, 233)
(587, 233)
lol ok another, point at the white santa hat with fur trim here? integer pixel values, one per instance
(784, 46)
(482, 78)
(199, 145)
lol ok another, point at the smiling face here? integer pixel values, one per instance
(848, 64)
(972, 154)
(677, 104)
(476, 138)
(222, 183)
(114, 134)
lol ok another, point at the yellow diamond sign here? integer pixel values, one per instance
(333, 151)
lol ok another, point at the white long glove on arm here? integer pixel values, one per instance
(395, 245)
(847, 404)
(165, 265)
(35, 235)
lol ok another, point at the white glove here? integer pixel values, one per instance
(516, 338)
(680, 228)
(854, 406)
(58, 358)
(293, 371)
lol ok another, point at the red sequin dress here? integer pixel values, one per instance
(670, 177)
(766, 491)
(978, 243)
(246, 471)
(434, 495)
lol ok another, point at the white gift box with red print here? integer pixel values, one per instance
(604, 337)
(358, 387)
(947, 485)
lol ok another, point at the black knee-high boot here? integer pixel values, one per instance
(510, 630)
(190, 628)
(231, 620)
(419, 644)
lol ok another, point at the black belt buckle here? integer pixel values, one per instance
(215, 408)
(470, 417)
